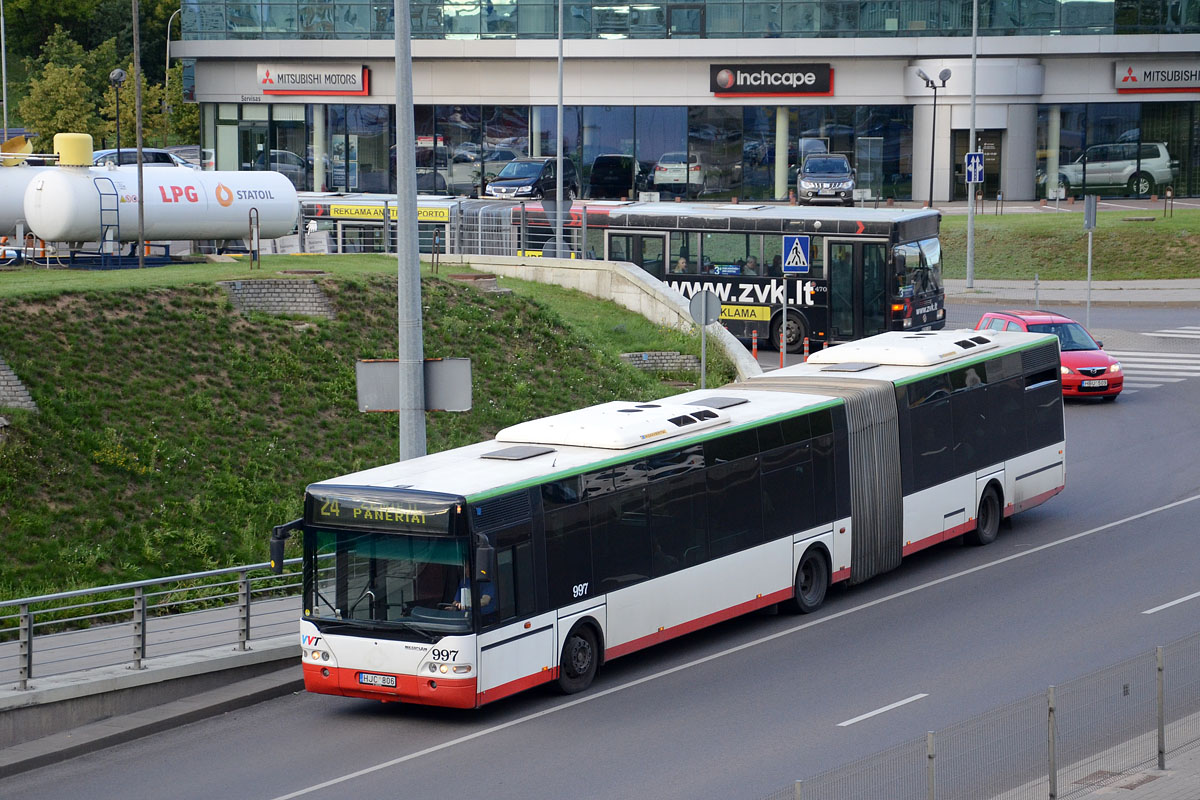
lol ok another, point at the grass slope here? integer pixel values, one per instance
(173, 432)
(1015, 246)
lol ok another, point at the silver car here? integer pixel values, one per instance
(1140, 168)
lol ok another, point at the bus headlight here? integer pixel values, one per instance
(443, 669)
(462, 669)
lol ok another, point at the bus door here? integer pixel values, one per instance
(647, 250)
(859, 302)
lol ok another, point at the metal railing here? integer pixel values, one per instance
(1065, 743)
(127, 623)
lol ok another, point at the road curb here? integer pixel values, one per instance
(116, 730)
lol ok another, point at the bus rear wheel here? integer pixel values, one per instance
(987, 521)
(580, 658)
(812, 582)
(796, 331)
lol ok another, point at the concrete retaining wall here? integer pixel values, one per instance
(662, 361)
(302, 297)
(623, 283)
(13, 393)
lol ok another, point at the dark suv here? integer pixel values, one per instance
(533, 178)
(826, 178)
(615, 176)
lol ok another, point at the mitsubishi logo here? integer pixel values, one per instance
(1129, 76)
(268, 79)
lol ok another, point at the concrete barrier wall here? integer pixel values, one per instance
(625, 284)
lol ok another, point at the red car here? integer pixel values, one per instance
(1087, 371)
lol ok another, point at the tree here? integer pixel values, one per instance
(184, 117)
(153, 123)
(61, 49)
(59, 102)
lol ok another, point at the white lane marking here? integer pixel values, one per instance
(1161, 377)
(1172, 335)
(1131, 386)
(1120, 205)
(1156, 609)
(316, 787)
(1181, 368)
(1152, 354)
(883, 710)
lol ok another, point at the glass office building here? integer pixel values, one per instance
(711, 100)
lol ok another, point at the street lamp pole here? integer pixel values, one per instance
(117, 79)
(930, 83)
(167, 81)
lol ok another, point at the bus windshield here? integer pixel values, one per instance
(919, 265)
(390, 580)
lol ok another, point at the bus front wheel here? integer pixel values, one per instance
(580, 658)
(987, 521)
(812, 582)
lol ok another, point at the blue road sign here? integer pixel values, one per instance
(795, 255)
(974, 167)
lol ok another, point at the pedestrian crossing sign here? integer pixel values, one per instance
(795, 255)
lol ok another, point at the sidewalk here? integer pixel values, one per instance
(1180, 781)
(1179, 293)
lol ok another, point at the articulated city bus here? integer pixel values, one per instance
(465, 576)
(846, 273)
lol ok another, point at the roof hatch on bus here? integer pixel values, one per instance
(904, 349)
(615, 426)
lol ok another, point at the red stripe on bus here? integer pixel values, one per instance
(842, 574)
(1037, 500)
(416, 689)
(665, 634)
(519, 685)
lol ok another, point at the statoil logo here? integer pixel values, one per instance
(224, 195)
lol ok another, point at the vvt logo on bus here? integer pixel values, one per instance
(309, 641)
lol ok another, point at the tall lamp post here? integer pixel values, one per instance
(167, 81)
(930, 83)
(117, 79)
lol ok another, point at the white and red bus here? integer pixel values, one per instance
(464, 576)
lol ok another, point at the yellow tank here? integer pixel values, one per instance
(73, 149)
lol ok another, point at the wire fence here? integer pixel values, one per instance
(1064, 743)
(58, 634)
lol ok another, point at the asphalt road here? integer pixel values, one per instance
(742, 709)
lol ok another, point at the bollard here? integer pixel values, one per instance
(754, 343)
(805, 358)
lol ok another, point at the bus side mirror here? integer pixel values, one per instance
(279, 536)
(485, 563)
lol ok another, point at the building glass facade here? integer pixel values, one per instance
(604, 19)
(728, 151)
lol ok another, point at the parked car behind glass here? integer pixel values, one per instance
(1138, 168)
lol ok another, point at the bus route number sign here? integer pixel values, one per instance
(795, 255)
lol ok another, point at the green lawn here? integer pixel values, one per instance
(172, 432)
(1054, 246)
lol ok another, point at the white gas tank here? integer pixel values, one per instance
(72, 204)
(13, 183)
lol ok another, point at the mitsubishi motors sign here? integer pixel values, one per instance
(770, 80)
(327, 79)
(1157, 76)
